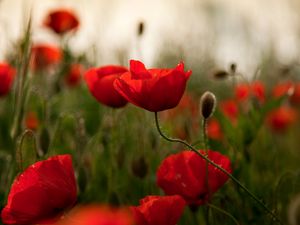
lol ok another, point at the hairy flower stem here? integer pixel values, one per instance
(21, 78)
(206, 152)
(206, 165)
(274, 216)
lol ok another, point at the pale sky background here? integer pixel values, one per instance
(229, 30)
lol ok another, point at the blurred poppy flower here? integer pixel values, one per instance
(73, 77)
(187, 106)
(42, 192)
(100, 83)
(258, 91)
(184, 174)
(244, 91)
(61, 21)
(97, 215)
(44, 56)
(7, 74)
(214, 130)
(280, 119)
(31, 121)
(153, 89)
(281, 89)
(230, 109)
(186, 115)
(158, 210)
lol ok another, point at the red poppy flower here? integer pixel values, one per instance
(186, 106)
(158, 210)
(98, 215)
(186, 115)
(280, 119)
(230, 109)
(153, 89)
(62, 21)
(281, 89)
(242, 92)
(100, 83)
(256, 89)
(42, 192)
(43, 56)
(184, 174)
(31, 121)
(73, 77)
(214, 130)
(7, 74)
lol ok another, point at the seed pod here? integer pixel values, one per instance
(207, 104)
(285, 70)
(220, 74)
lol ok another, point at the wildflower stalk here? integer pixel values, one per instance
(224, 212)
(204, 135)
(235, 180)
(21, 78)
(204, 123)
(206, 152)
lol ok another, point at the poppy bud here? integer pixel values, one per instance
(141, 28)
(233, 67)
(285, 70)
(220, 74)
(207, 104)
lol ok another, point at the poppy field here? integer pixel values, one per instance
(85, 143)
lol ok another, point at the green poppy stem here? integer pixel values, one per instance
(224, 212)
(274, 216)
(21, 79)
(206, 147)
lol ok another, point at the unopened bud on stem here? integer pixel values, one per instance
(220, 74)
(207, 104)
(141, 28)
(233, 67)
